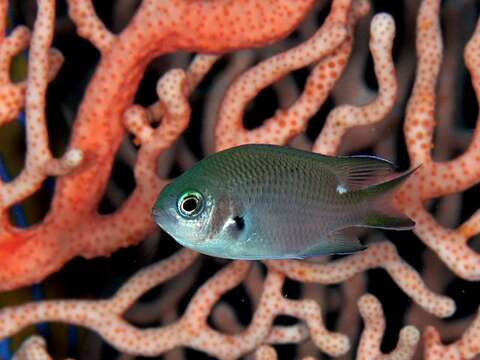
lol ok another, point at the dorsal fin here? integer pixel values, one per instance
(360, 171)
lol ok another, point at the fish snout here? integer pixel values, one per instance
(157, 215)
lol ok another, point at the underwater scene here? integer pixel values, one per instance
(239, 179)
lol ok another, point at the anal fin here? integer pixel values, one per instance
(388, 221)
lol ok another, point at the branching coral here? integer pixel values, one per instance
(98, 128)
(107, 114)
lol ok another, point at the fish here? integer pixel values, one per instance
(258, 201)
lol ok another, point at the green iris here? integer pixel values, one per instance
(190, 204)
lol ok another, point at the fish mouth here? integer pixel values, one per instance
(163, 219)
(156, 215)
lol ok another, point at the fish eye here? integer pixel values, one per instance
(190, 204)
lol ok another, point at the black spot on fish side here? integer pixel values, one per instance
(239, 223)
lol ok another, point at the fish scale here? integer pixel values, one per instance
(268, 202)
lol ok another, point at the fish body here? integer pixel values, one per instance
(272, 202)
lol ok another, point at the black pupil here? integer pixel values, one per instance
(190, 204)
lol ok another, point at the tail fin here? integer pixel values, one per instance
(383, 213)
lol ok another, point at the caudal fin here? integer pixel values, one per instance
(382, 213)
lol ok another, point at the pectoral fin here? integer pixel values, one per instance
(338, 242)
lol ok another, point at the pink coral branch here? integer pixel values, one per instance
(371, 338)
(89, 25)
(199, 67)
(237, 65)
(283, 126)
(107, 114)
(382, 32)
(419, 123)
(98, 128)
(39, 162)
(117, 229)
(34, 348)
(104, 316)
(471, 227)
(467, 347)
(265, 352)
(435, 179)
(381, 255)
(13, 94)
